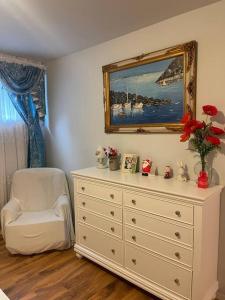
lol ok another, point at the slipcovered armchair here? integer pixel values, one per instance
(38, 215)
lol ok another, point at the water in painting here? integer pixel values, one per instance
(149, 93)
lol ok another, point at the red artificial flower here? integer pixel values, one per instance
(197, 125)
(192, 125)
(213, 140)
(184, 137)
(216, 130)
(210, 110)
(186, 118)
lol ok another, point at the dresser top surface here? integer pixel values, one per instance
(152, 183)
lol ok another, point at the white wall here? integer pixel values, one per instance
(76, 96)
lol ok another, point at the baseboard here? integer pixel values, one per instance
(220, 296)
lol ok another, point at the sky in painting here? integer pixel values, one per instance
(158, 66)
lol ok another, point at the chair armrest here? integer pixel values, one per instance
(61, 204)
(9, 213)
(62, 208)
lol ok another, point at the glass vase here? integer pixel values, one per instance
(203, 180)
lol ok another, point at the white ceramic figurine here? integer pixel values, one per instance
(181, 172)
(101, 158)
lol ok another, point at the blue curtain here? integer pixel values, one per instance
(26, 88)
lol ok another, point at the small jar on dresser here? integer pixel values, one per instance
(161, 235)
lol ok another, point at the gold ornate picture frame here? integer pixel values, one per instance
(150, 93)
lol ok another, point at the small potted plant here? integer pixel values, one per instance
(113, 156)
(203, 138)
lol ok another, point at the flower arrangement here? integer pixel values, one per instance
(113, 156)
(203, 138)
(111, 152)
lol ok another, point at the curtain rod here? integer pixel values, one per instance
(21, 60)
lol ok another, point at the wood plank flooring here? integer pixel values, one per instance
(60, 275)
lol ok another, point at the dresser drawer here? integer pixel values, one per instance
(108, 226)
(170, 250)
(99, 191)
(171, 230)
(159, 271)
(157, 206)
(101, 243)
(100, 207)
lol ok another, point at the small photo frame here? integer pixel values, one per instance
(129, 163)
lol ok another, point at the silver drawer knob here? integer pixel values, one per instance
(133, 201)
(83, 203)
(178, 213)
(177, 234)
(133, 220)
(177, 254)
(84, 218)
(112, 229)
(112, 213)
(111, 196)
(83, 188)
(84, 237)
(134, 261)
(133, 238)
(113, 251)
(177, 281)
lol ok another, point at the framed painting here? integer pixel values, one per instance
(151, 92)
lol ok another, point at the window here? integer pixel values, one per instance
(7, 109)
(13, 144)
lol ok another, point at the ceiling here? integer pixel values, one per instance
(49, 29)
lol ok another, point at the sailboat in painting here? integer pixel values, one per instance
(127, 105)
(116, 106)
(137, 105)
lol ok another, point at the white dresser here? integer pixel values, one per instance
(160, 234)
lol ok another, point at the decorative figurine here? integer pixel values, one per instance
(156, 171)
(101, 158)
(167, 172)
(181, 172)
(146, 167)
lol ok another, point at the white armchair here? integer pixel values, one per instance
(38, 216)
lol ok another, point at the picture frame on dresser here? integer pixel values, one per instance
(129, 163)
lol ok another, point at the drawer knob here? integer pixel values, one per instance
(133, 220)
(111, 196)
(133, 238)
(177, 254)
(177, 281)
(113, 251)
(133, 201)
(112, 213)
(84, 218)
(134, 261)
(84, 237)
(178, 213)
(177, 234)
(83, 203)
(112, 229)
(83, 188)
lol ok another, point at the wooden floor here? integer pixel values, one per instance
(59, 275)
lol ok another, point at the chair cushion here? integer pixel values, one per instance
(35, 232)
